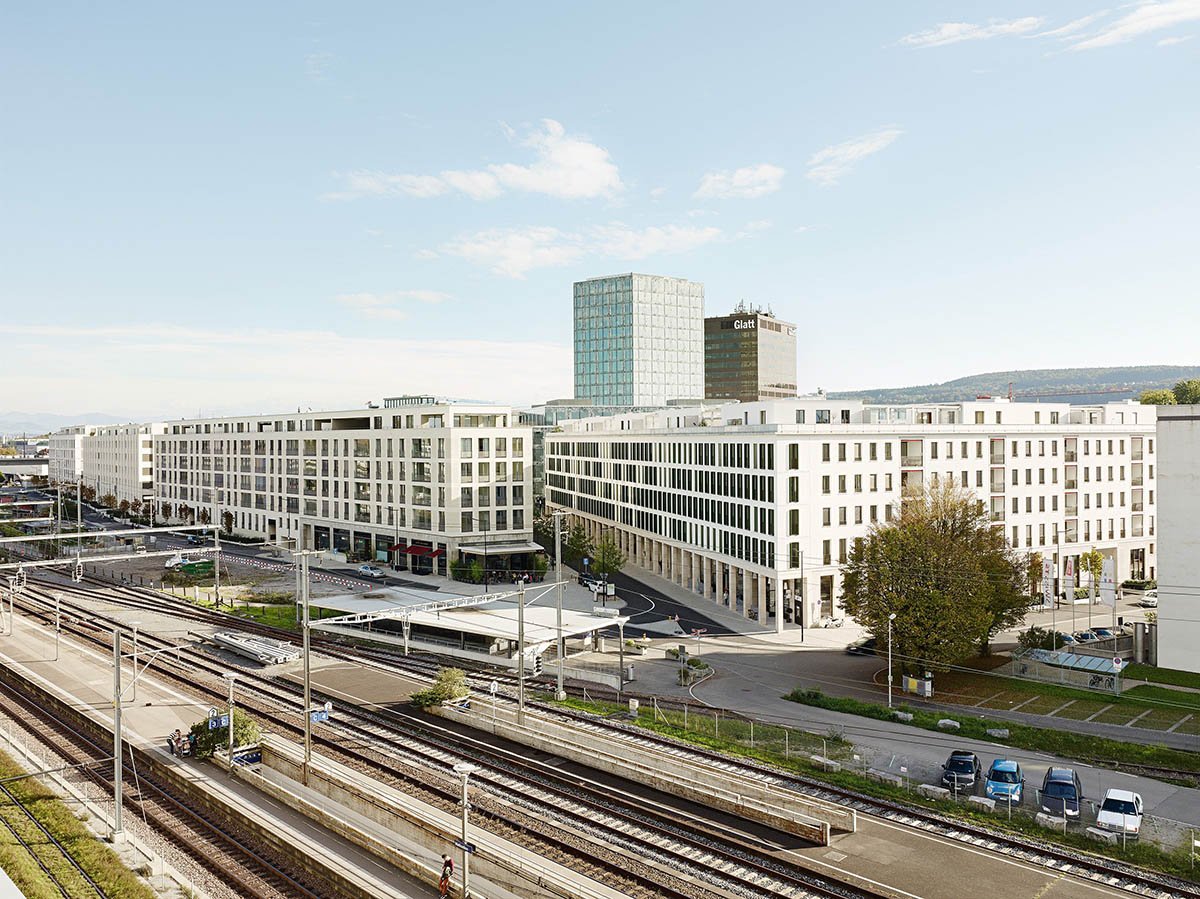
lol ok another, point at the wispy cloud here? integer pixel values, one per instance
(826, 167)
(1064, 31)
(657, 192)
(1172, 41)
(953, 32)
(751, 181)
(1144, 18)
(513, 252)
(389, 305)
(316, 64)
(564, 166)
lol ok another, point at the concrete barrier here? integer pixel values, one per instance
(885, 777)
(904, 716)
(1052, 821)
(998, 733)
(826, 764)
(929, 791)
(364, 811)
(1103, 836)
(982, 802)
(693, 779)
(948, 724)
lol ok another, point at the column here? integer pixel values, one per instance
(761, 591)
(778, 587)
(705, 575)
(747, 580)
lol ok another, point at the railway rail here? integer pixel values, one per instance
(70, 885)
(1096, 868)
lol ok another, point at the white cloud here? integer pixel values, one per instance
(565, 166)
(1172, 41)
(657, 192)
(173, 370)
(1071, 27)
(952, 32)
(316, 63)
(514, 252)
(751, 181)
(1145, 17)
(388, 305)
(372, 232)
(826, 167)
(426, 254)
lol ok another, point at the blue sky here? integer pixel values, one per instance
(254, 207)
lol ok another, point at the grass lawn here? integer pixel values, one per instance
(1081, 709)
(1042, 705)
(101, 863)
(279, 616)
(1191, 726)
(1006, 700)
(1165, 695)
(1160, 719)
(1170, 676)
(1118, 714)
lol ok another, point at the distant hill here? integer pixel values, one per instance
(14, 424)
(1067, 385)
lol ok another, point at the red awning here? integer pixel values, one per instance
(436, 553)
(398, 546)
(417, 550)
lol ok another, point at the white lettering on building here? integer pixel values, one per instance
(744, 324)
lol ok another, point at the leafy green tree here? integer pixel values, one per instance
(578, 546)
(205, 516)
(608, 557)
(227, 522)
(1092, 562)
(1161, 397)
(245, 733)
(123, 507)
(1187, 391)
(944, 571)
(450, 684)
(476, 571)
(89, 494)
(1034, 573)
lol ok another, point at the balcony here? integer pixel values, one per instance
(997, 515)
(1071, 456)
(1136, 480)
(911, 461)
(1138, 505)
(1071, 484)
(1135, 453)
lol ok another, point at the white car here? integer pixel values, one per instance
(369, 571)
(1121, 812)
(175, 562)
(1150, 600)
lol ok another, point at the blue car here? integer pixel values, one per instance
(1004, 780)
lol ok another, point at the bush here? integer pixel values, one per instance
(1149, 584)
(245, 732)
(696, 663)
(1083, 592)
(1036, 638)
(450, 684)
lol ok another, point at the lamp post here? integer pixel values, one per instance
(118, 831)
(465, 770)
(891, 618)
(133, 686)
(231, 677)
(57, 623)
(521, 654)
(560, 694)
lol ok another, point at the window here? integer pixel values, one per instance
(794, 522)
(842, 546)
(887, 452)
(826, 552)
(824, 453)
(799, 416)
(825, 483)
(826, 519)
(841, 515)
(823, 418)
(979, 418)
(794, 490)
(841, 483)
(858, 483)
(841, 452)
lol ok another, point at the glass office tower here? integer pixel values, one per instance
(749, 356)
(639, 340)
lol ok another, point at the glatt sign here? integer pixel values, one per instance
(744, 324)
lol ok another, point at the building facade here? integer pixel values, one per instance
(764, 501)
(119, 460)
(66, 452)
(638, 340)
(749, 356)
(416, 483)
(1179, 554)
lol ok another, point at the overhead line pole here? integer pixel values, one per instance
(560, 694)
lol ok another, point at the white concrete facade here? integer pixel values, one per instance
(422, 473)
(765, 500)
(119, 460)
(66, 452)
(1179, 515)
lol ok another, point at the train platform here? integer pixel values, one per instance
(83, 677)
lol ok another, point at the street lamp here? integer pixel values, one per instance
(465, 770)
(891, 618)
(231, 677)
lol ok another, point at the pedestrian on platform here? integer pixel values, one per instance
(447, 873)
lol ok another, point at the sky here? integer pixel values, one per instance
(240, 208)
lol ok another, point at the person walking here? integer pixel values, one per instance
(447, 873)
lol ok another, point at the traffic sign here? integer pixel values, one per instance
(319, 716)
(493, 688)
(1117, 663)
(218, 721)
(468, 847)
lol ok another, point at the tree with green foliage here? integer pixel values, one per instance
(578, 546)
(109, 501)
(1187, 391)
(945, 572)
(8, 451)
(205, 516)
(245, 733)
(1092, 562)
(450, 684)
(608, 558)
(1033, 575)
(123, 507)
(1159, 397)
(89, 494)
(540, 566)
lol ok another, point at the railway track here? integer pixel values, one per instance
(1081, 864)
(661, 853)
(195, 832)
(76, 882)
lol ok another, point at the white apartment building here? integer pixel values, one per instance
(1179, 513)
(765, 500)
(66, 452)
(418, 482)
(119, 459)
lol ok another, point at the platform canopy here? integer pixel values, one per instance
(499, 549)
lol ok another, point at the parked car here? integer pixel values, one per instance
(369, 571)
(1103, 633)
(194, 539)
(961, 771)
(174, 562)
(864, 647)
(1150, 600)
(1121, 812)
(1004, 781)
(1067, 640)
(139, 549)
(1062, 793)
(1086, 637)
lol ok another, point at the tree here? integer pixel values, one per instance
(185, 511)
(227, 522)
(205, 517)
(123, 507)
(944, 571)
(1092, 562)
(136, 507)
(165, 511)
(245, 733)
(1034, 573)
(608, 558)
(450, 684)
(108, 501)
(89, 494)
(1187, 391)
(578, 546)
(8, 450)
(1162, 397)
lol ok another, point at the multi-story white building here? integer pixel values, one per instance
(1179, 555)
(765, 500)
(639, 340)
(66, 452)
(418, 481)
(119, 460)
